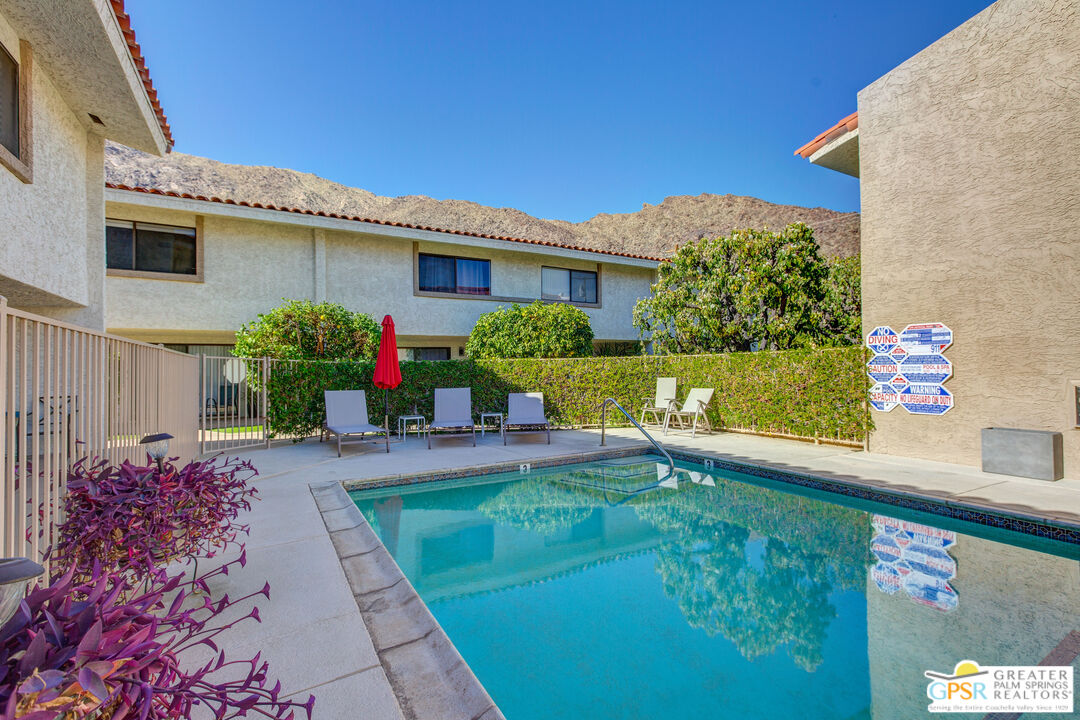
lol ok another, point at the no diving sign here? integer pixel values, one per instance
(882, 339)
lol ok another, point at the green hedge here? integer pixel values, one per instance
(801, 392)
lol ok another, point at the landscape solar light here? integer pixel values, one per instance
(157, 447)
(15, 576)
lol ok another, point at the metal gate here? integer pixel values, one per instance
(232, 412)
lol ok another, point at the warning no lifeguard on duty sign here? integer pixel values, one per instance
(909, 368)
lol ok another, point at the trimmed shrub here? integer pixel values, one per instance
(538, 330)
(303, 330)
(800, 392)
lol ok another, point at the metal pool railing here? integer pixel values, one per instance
(650, 438)
(66, 393)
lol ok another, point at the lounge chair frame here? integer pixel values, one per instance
(453, 412)
(693, 410)
(347, 415)
(523, 420)
(662, 403)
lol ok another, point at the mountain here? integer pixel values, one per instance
(655, 230)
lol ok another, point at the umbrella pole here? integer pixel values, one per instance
(386, 419)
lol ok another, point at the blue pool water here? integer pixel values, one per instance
(588, 591)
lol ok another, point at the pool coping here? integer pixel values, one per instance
(384, 481)
(979, 513)
(428, 676)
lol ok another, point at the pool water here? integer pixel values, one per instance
(597, 591)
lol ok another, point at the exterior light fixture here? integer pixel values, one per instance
(157, 447)
(15, 575)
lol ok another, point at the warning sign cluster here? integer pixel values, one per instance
(909, 368)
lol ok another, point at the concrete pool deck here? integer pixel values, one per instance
(313, 632)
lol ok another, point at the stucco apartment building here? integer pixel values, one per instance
(189, 271)
(968, 156)
(71, 76)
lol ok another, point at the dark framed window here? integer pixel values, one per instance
(427, 353)
(16, 127)
(9, 103)
(576, 286)
(148, 247)
(461, 276)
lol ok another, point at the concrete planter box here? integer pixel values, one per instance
(1024, 453)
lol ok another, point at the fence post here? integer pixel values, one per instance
(202, 404)
(265, 404)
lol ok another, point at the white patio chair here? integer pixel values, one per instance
(692, 412)
(453, 411)
(346, 414)
(526, 412)
(664, 401)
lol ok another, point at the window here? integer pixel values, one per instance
(145, 247)
(16, 144)
(9, 102)
(428, 353)
(577, 286)
(461, 276)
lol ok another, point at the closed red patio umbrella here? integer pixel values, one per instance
(387, 371)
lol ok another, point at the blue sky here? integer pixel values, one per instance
(560, 109)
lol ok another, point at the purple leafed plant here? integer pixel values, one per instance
(136, 519)
(78, 649)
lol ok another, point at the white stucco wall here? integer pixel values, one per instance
(250, 266)
(47, 227)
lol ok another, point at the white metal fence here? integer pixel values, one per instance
(68, 393)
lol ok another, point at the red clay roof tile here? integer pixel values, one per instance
(320, 213)
(140, 65)
(844, 126)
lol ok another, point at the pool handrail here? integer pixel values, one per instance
(650, 438)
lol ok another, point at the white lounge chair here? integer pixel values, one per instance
(453, 411)
(692, 412)
(664, 401)
(346, 414)
(526, 413)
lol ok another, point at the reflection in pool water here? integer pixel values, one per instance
(593, 591)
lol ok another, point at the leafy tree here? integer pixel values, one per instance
(843, 302)
(539, 330)
(303, 330)
(752, 289)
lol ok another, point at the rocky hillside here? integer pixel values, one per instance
(654, 230)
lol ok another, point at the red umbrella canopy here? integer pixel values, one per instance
(387, 372)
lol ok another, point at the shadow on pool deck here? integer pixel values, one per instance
(314, 634)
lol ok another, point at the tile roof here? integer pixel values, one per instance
(140, 65)
(844, 126)
(336, 216)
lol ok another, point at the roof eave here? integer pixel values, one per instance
(840, 154)
(89, 52)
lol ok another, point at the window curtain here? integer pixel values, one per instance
(437, 274)
(473, 277)
(584, 286)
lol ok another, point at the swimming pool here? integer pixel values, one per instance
(607, 590)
